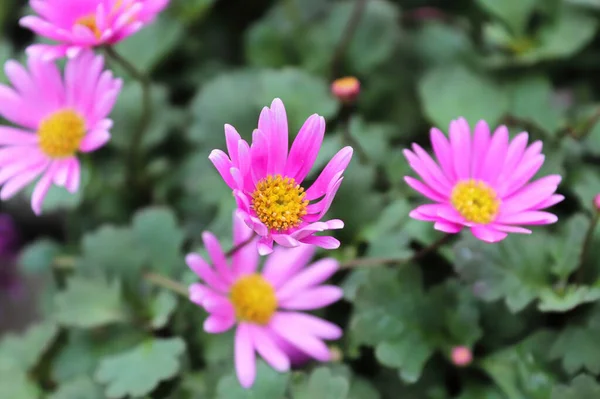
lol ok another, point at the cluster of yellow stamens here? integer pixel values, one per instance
(475, 201)
(60, 134)
(253, 299)
(279, 202)
(89, 21)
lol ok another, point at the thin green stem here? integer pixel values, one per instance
(239, 246)
(135, 153)
(346, 39)
(372, 262)
(587, 242)
(165, 282)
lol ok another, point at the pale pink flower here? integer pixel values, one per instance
(461, 356)
(57, 118)
(266, 306)
(482, 182)
(267, 181)
(83, 24)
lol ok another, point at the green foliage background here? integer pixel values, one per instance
(527, 307)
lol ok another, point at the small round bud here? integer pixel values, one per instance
(346, 89)
(597, 202)
(461, 356)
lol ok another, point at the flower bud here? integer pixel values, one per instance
(597, 202)
(346, 89)
(461, 356)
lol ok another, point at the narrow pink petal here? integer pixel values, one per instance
(305, 148)
(244, 165)
(426, 175)
(514, 155)
(431, 211)
(217, 325)
(219, 306)
(285, 240)
(277, 137)
(14, 109)
(31, 161)
(259, 155)
(199, 292)
(488, 234)
(223, 165)
(94, 140)
(311, 276)
(481, 142)
(311, 325)
(325, 242)
(509, 229)
(417, 215)
(245, 358)
(308, 344)
(432, 168)
(62, 171)
(19, 181)
(523, 173)
(548, 202)
(245, 259)
(41, 189)
(443, 153)
(460, 142)
(338, 163)
(495, 156)
(448, 227)
(14, 136)
(313, 298)
(205, 272)
(449, 214)
(74, 175)
(232, 137)
(285, 262)
(315, 227)
(213, 247)
(528, 218)
(530, 195)
(323, 205)
(424, 189)
(265, 245)
(268, 349)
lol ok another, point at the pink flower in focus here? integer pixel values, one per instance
(266, 180)
(482, 182)
(461, 356)
(265, 306)
(57, 117)
(82, 24)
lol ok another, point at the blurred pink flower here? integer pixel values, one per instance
(58, 118)
(597, 202)
(266, 180)
(482, 182)
(81, 24)
(265, 306)
(346, 89)
(461, 356)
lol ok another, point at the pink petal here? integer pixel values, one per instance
(528, 218)
(219, 306)
(443, 153)
(259, 151)
(509, 229)
(94, 140)
(41, 189)
(495, 156)
(213, 247)
(74, 176)
(311, 276)
(325, 242)
(481, 142)
(313, 298)
(245, 259)
(232, 137)
(223, 165)
(285, 262)
(277, 136)
(338, 163)
(206, 273)
(323, 206)
(426, 175)
(245, 358)
(426, 162)
(285, 240)
(548, 202)
(530, 195)
(460, 142)
(522, 174)
(310, 345)
(311, 325)
(199, 292)
(268, 349)
(14, 136)
(515, 152)
(305, 148)
(217, 325)
(448, 227)
(487, 234)
(18, 182)
(424, 189)
(265, 246)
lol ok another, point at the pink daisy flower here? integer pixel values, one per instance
(82, 24)
(267, 180)
(265, 306)
(57, 119)
(482, 182)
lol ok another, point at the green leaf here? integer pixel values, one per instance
(269, 384)
(565, 299)
(566, 250)
(576, 347)
(111, 250)
(408, 353)
(159, 238)
(584, 185)
(322, 384)
(441, 44)
(531, 100)
(24, 351)
(515, 13)
(80, 388)
(387, 236)
(582, 387)
(15, 384)
(138, 371)
(162, 307)
(38, 256)
(522, 371)
(450, 92)
(89, 303)
(152, 44)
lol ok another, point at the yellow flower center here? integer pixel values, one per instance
(89, 21)
(475, 201)
(253, 299)
(61, 133)
(279, 202)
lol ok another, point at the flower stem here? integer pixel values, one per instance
(371, 262)
(165, 282)
(340, 50)
(135, 153)
(587, 242)
(239, 246)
